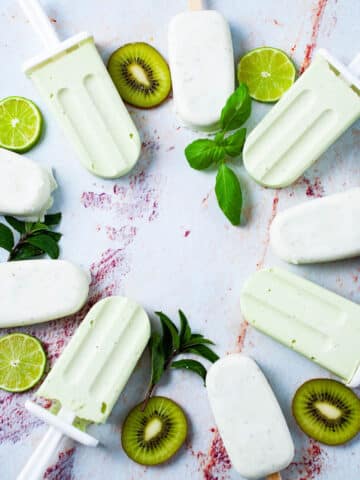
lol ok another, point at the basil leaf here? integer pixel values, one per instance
(6, 237)
(16, 224)
(234, 143)
(185, 330)
(228, 194)
(191, 365)
(25, 252)
(237, 109)
(203, 351)
(203, 153)
(52, 219)
(157, 357)
(45, 243)
(171, 339)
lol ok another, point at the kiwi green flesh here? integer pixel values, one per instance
(152, 436)
(141, 75)
(327, 411)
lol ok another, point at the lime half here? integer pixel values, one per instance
(20, 124)
(268, 72)
(22, 362)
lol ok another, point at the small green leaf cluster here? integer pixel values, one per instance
(206, 152)
(35, 238)
(165, 346)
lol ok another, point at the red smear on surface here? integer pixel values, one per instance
(217, 462)
(53, 20)
(310, 47)
(311, 463)
(187, 233)
(313, 188)
(63, 468)
(242, 336)
(125, 233)
(206, 198)
(275, 203)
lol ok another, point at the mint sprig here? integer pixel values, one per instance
(34, 238)
(171, 343)
(228, 142)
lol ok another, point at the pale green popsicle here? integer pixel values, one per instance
(310, 116)
(97, 363)
(311, 320)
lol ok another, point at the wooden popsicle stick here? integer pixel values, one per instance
(274, 476)
(195, 5)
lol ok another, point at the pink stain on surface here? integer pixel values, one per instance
(215, 464)
(310, 47)
(187, 233)
(275, 202)
(63, 468)
(311, 463)
(242, 336)
(313, 188)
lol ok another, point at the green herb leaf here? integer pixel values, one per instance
(171, 339)
(234, 143)
(197, 339)
(6, 237)
(191, 365)
(203, 153)
(237, 109)
(45, 243)
(55, 235)
(157, 357)
(203, 351)
(39, 227)
(228, 194)
(16, 224)
(185, 330)
(52, 219)
(25, 252)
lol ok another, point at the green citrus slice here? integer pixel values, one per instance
(20, 124)
(22, 362)
(268, 73)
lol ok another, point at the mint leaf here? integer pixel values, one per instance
(6, 238)
(52, 219)
(203, 351)
(228, 194)
(237, 109)
(191, 365)
(203, 153)
(16, 224)
(45, 243)
(234, 143)
(171, 339)
(198, 339)
(185, 330)
(157, 357)
(25, 252)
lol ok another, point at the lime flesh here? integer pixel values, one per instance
(20, 124)
(22, 362)
(268, 73)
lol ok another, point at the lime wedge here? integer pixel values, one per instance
(20, 124)
(22, 362)
(268, 73)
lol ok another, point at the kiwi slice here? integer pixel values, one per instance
(140, 74)
(327, 411)
(154, 435)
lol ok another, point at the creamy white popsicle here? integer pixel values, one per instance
(249, 418)
(202, 67)
(35, 291)
(25, 187)
(322, 230)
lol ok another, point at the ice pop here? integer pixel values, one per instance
(307, 318)
(25, 187)
(249, 418)
(74, 82)
(90, 375)
(34, 291)
(202, 66)
(310, 116)
(323, 230)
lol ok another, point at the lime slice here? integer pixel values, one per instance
(20, 124)
(22, 362)
(268, 72)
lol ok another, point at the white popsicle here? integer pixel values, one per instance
(25, 187)
(249, 418)
(35, 291)
(201, 61)
(322, 230)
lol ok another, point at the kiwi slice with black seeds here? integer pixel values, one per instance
(153, 435)
(327, 411)
(140, 74)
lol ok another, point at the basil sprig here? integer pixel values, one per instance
(35, 238)
(228, 142)
(172, 342)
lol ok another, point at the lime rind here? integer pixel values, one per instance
(22, 362)
(21, 124)
(268, 73)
